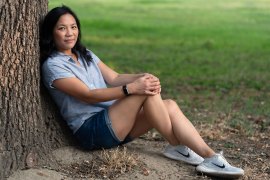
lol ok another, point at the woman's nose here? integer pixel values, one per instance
(69, 32)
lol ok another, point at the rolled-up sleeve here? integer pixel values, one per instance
(52, 71)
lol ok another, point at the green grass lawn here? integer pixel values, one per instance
(211, 56)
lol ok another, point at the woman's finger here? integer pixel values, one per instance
(147, 92)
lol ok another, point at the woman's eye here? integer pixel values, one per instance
(61, 28)
(74, 27)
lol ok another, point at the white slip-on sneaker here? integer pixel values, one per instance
(218, 166)
(182, 153)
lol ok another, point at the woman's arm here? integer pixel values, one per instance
(143, 84)
(115, 79)
(74, 87)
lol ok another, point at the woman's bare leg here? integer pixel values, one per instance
(186, 132)
(185, 135)
(124, 113)
(165, 116)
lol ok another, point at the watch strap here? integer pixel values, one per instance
(125, 90)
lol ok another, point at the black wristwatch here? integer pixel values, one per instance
(125, 90)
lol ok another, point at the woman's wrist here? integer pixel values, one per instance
(130, 88)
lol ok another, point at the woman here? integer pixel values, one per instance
(102, 117)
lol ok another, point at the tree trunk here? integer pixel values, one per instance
(29, 124)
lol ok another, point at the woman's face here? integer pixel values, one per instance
(65, 33)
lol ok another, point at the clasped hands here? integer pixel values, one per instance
(146, 84)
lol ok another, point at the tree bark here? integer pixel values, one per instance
(29, 124)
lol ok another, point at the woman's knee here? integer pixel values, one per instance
(171, 105)
(154, 99)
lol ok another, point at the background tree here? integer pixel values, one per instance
(29, 125)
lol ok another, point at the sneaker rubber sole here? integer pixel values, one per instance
(211, 172)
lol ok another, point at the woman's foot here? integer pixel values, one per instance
(182, 153)
(218, 166)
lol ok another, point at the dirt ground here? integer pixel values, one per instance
(251, 153)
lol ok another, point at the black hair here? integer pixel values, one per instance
(46, 42)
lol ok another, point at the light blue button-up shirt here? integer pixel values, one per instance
(74, 111)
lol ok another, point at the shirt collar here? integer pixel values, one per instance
(63, 56)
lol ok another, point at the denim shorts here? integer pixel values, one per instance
(97, 133)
